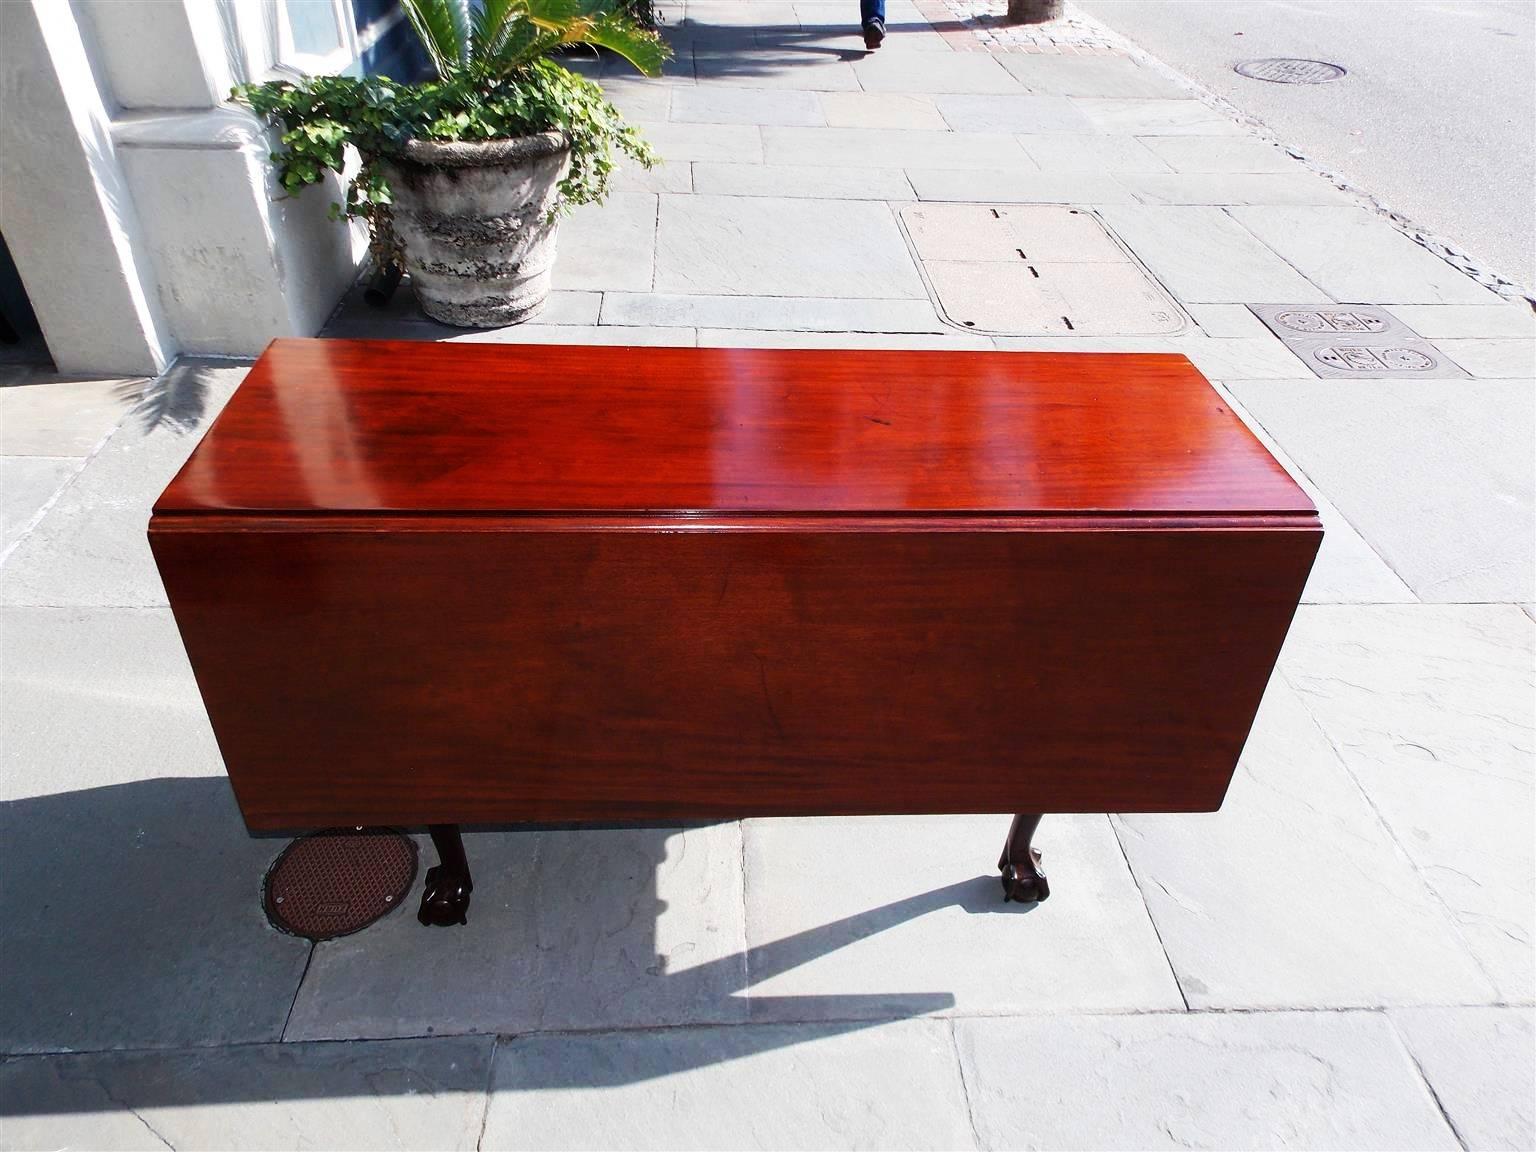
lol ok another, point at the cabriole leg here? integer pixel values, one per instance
(1020, 864)
(446, 899)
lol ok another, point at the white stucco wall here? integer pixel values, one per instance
(65, 208)
(161, 53)
(237, 262)
(138, 204)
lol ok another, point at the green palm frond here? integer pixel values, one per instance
(559, 15)
(491, 38)
(522, 43)
(493, 23)
(596, 22)
(640, 46)
(443, 26)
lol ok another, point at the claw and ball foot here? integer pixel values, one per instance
(446, 899)
(1023, 879)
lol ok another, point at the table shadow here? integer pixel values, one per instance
(135, 946)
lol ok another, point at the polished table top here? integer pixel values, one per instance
(343, 426)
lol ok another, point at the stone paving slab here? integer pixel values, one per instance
(1385, 452)
(932, 72)
(880, 110)
(1358, 258)
(1018, 186)
(718, 13)
(1514, 320)
(815, 182)
(894, 148)
(90, 549)
(640, 99)
(43, 415)
(1225, 359)
(1023, 112)
(133, 920)
(1294, 895)
(1481, 1063)
(729, 245)
(425, 1094)
(774, 67)
(1063, 153)
(1157, 118)
(1219, 1081)
(637, 336)
(666, 176)
(772, 313)
(1347, 569)
(736, 338)
(1240, 358)
(609, 246)
(744, 106)
(27, 484)
(1195, 154)
(632, 336)
(595, 928)
(839, 32)
(1227, 321)
(1501, 359)
(1104, 77)
(96, 697)
(1203, 255)
(724, 142)
(1294, 187)
(1433, 710)
(879, 916)
(764, 1086)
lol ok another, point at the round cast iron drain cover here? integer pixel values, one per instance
(338, 881)
(1283, 70)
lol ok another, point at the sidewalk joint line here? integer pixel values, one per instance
(1424, 1079)
(1147, 907)
(965, 1087)
(282, 1036)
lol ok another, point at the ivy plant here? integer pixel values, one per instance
(495, 79)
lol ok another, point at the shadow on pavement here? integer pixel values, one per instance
(133, 922)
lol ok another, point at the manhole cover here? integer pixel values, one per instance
(1355, 341)
(1034, 270)
(336, 882)
(1285, 70)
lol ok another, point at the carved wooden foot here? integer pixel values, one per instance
(1023, 879)
(446, 899)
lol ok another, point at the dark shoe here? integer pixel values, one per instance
(874, 32)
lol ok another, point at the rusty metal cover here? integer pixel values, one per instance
(338, 881)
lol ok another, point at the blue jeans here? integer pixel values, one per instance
(871, 10)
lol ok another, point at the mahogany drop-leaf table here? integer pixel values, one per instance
(480, 583)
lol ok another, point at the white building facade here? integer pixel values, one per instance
(139, 205)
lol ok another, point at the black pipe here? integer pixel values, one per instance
(382, 284)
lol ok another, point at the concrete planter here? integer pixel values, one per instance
(474, 220)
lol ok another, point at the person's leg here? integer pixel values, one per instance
(872, 19)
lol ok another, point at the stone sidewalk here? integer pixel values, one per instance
(1340, 958)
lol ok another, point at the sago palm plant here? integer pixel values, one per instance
(494, 38)
(495, 80)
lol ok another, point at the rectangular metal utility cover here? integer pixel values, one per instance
(1356, 342)
(1035, 270)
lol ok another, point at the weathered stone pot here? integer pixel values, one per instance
(474, 219)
